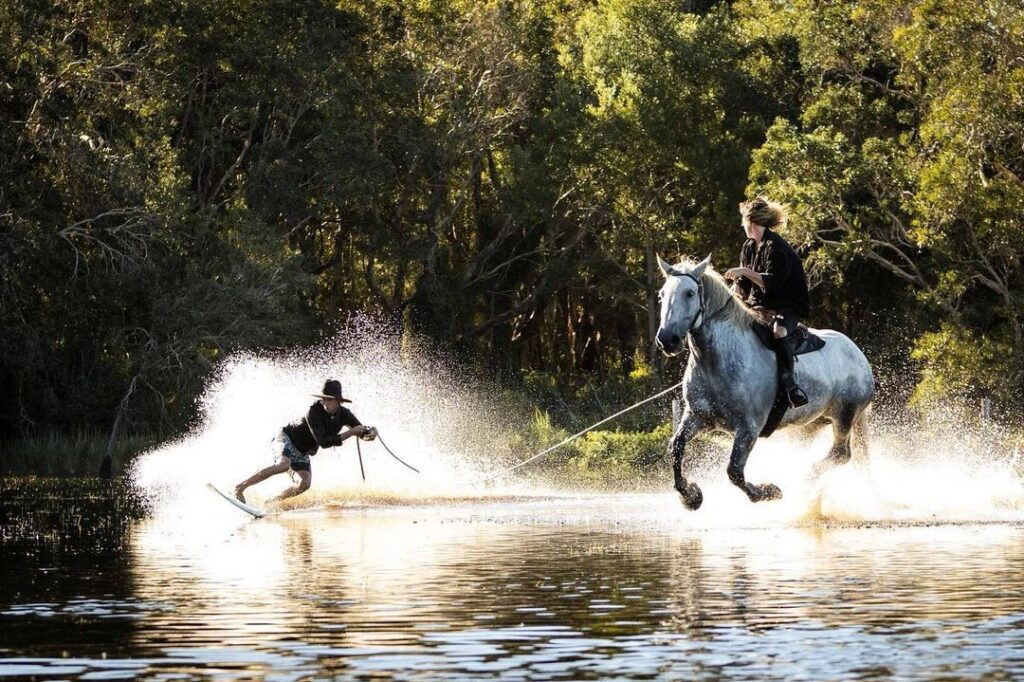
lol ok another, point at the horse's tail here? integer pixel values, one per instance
(860, 434)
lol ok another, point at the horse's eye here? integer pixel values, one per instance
(689, 294)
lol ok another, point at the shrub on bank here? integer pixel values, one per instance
(623, 452)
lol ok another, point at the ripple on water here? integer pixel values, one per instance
(460, 597)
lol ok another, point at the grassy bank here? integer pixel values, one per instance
(80, 453)
(608, 458)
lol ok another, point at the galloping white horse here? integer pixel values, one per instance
(731, 380)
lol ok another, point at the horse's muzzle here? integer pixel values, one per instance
(669, 343)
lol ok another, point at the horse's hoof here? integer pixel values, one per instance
(768, 492)
(692, 497)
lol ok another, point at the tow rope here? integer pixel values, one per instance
(576, 435)
(359, 451)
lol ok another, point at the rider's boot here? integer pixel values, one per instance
(794, 393)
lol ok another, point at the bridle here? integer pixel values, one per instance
(700, 298)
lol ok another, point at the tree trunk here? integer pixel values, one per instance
(122, 408)
(653, 313)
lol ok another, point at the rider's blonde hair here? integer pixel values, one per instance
(763, 212)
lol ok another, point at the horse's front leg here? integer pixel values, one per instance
(741, 447)
(689, 427)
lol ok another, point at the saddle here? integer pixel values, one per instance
(803, 341)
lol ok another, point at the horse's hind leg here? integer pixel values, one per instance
(860, 436)
(689, 427)
(842, 427)
(741, 447)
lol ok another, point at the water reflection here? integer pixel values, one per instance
(573, 589)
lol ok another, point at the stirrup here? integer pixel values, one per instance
(796, 396)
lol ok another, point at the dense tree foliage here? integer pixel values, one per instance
(179, 179)
(907, 156)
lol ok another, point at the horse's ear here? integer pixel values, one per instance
(698, 269)
(666, 267)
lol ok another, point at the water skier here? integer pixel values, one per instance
(321, 427)
(771, 280)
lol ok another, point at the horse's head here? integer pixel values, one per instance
(682, 302)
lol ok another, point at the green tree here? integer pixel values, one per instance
(906, 158)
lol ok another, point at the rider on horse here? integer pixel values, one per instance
(771, 280)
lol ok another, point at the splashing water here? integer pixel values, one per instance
(923, 471)
(446, 427)
(456, 431)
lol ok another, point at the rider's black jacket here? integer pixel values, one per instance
(785, 285)
(318, 429)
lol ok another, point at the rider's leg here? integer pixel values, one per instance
(784, 352)
(741, 447)
(305, 478)
(690, 425)
(263, 474)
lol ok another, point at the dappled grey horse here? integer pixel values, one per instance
(731, 377)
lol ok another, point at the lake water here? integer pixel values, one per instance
(545, 588)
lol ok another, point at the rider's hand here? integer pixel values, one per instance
(360, 430)
(734, 273)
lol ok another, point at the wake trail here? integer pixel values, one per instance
(922, 471)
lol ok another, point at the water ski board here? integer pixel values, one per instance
(258, 513)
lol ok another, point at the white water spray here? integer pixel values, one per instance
(427, 415)
(455, 433)
(918, 472)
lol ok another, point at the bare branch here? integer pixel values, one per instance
(237, 162)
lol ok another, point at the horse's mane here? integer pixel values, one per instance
(718, 297)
